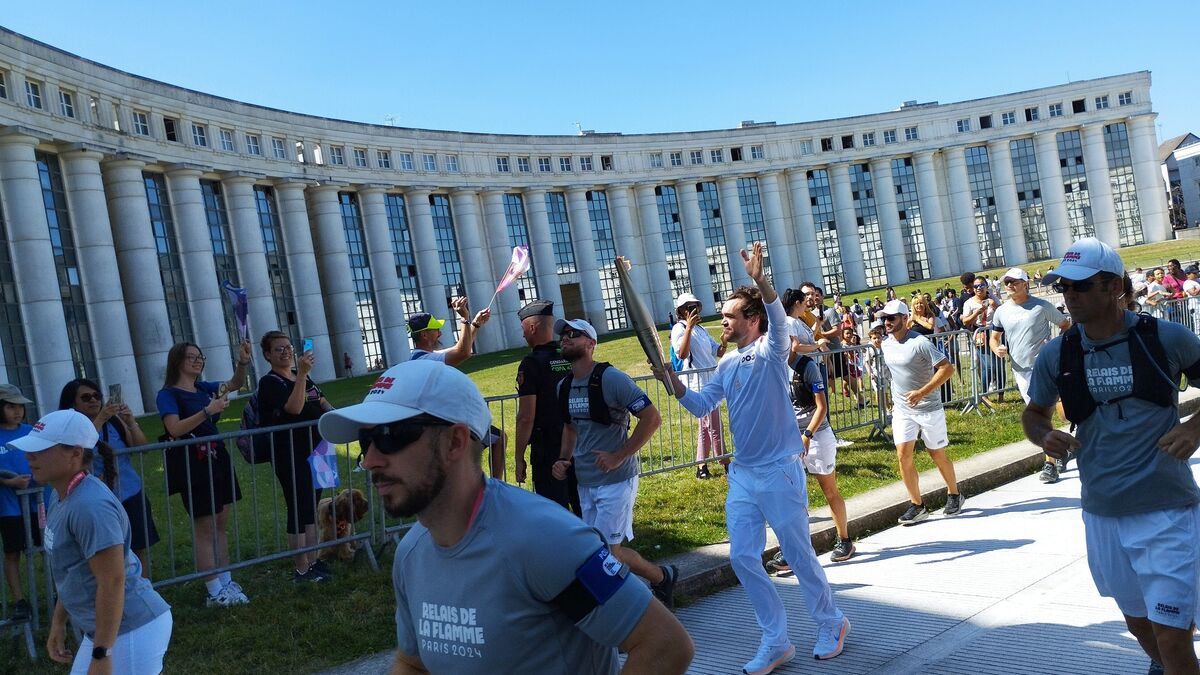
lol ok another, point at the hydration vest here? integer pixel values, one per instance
(598, 410)
(802, 395)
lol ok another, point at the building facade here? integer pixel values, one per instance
(127, 202)
(1180, 158)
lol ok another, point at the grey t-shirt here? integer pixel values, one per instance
(1121, 469)
(811, 379)
(486, 604)
(623, 398)
(88, 521)
(1026, 329)
(911, 364)
(831, 318)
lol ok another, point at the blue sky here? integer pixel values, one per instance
(540, 67)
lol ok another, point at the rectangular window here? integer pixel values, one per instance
(199, 135)
(523, 164)
(383, 158)
(447, 246)
(221, 237)
(983, 199)
(544, 165)
(502, 165)
(141, 123)
(560, 233)
(716, 251)
(1124, 192)
(1075, 187)
(13, 343)
(3, 85)
(756, 152)
(656, 160)
(277, 263)
(360, 275)
(697, 156)
(1078, 106)
(452, 163)
(33, 94)
(252, 145)
(606, 249)
(735, 154)
(985, 121)
(752, 217)
(672, 234)
(606, 163)
(1031, 114)
(429, 163)
(585, 163)
(826, 145)
(171, 129)
(868, 139)
(170, 269)
(848, 142)
(1125, 98)
(964, 126)
(360, 157)
(564, 163)
(226, 140)
(402, 253)
(1008, 118)
(337, 155)
(820, 197)
(406, 161)
(867, 215)
(518, 235)
(910, 134)
(1056, 110)
(1028, 185)
(908, 208)
(806, 147)
(716, 156)
(116, 110)
(1101, 102)
(279, 148)
(676, 159)
(66, 103)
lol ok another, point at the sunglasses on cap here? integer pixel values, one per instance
(390, 439)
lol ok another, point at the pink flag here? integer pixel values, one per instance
(518, 266)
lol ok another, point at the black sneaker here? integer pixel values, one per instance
(702, 472)
(665, 589)
(778, 565)
(311, 576)
(1156, 668)
(1049, 473)
(913, 515)
(321, 568)
(953, 505)
(21, 611)
(843, 549)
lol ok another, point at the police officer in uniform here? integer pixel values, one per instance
(539, 417)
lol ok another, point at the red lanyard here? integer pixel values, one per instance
(74, 483)
(475, 508)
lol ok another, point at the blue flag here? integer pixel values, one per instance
(237, 298)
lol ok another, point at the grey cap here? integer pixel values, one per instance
(10, 394)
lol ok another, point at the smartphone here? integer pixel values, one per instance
(114, 394)
(222, 389)
(307, 346)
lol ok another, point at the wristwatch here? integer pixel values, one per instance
(807, 434)
(99, 653)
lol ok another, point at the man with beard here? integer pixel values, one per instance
(597, 401)
(766, 479)
(491, 578)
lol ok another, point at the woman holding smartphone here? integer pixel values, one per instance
(202, 473)
(285, 397)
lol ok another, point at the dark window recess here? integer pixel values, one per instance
(903, 214)
(854, 194)
(908, 161)
(606, 163)
(1029, 114)
(671, 273)
(1079, 105)
(813, 200)
(674, 217)
(985, 121)
(735, 154)
(657, 190)
(826, 145)
(899, 189)
(712, 269)
(171, 129)
(699, 187)
(716, 213)
(848, 142)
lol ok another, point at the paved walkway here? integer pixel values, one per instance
(1003, 588)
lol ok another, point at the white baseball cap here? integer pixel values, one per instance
(577, 324)
(67, 427)
(685, 298)
(1016, 273)
(892, 307)
(1086, 258)
(412, 388)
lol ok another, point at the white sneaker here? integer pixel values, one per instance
(769, 658)
(229, 596)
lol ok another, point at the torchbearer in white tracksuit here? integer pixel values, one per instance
(766, 480)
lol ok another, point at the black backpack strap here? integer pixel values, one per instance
(1077, 400)
(597, 406)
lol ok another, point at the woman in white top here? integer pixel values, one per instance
(698, 350)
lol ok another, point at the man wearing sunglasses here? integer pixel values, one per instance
(1118, 381)
(491, 578)
(1020, 328)
(426, 333)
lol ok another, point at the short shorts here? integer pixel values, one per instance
(12, 532)
(821, 458)
(907, 425)
(609, 509)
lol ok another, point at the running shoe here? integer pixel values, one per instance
(778, 565)
(913, 515)
(769, 658)
(1061, 464)
(830, 639)
(843, 549)
(953, 505)
(665, 589)
(311, 576)
(321, 568)
(1049, 473)
(229, 596)
(702, 472)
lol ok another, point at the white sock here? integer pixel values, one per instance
(225, 578)
(214, 586)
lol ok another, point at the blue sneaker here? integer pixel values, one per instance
(769, 658)
(830, 639)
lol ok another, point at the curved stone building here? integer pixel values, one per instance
(126, 202)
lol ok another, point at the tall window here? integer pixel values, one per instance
(66, 103)
(227, 140)
(983, 199)
(560, 232)
(1075, 187)
(672, 234)
(406, 161)
(33, 94)
(360, 274)
(715, 250)
(676, 159)
(544, 164)
(252, 145)
(752, 218)
(447, 245)
(911, 134)
(222, 244)
(12, 332)
(402, 250)
(821, 200)
(908, 208)
(279, 148)
(656, 160)
(199, 135)
(277, 263)
(1120, 174)
(606, 252)
(564, 163)
(518, 235)
(863, 192)
(169, 267)
(429, 163)
(1029, 199)
(141, 123)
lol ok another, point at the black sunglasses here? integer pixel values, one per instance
(573, 334)
(390, 439)
(892, 317)
(1078, 286)
(89, 397)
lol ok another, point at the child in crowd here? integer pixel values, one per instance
(15, 475)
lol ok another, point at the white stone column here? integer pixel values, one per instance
(94, 247)
(388, 311)
(656, 277)
(205, 297)
(429, 266)
(1054, 201)
(783, 263)
(693, 241)
(968, 257)
(302, 268)
(540, 245)
(246, 230)
(137, 261)
(1095, 160)
(933, 220)
(805, 227)
(1004, 187)
(504, 323)
(34, 270)
(477, 269)
(853, 274)
(585, 257)
(735, 229)
(333, 264)
(627, 242)
(1147, 178)
(895, 260)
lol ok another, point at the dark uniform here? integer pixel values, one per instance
(539, 375)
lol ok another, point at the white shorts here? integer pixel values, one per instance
(1148, 562)
(609, 509)
(138, 652)
(931, 426)
(821, 458)
(1022, 378)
